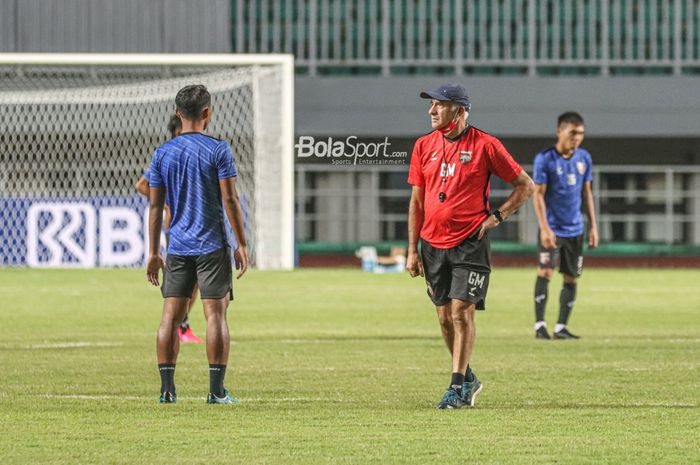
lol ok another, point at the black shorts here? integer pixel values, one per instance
(568, 254)
(461, 272)
(213, 271)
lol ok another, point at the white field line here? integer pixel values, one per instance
(625, 404)
(59, 345)
(672, 340)
(336, 400)
(72, 345)
(202, 398)
(329, 340)
(307, 341)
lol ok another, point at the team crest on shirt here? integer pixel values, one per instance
(465, 156)
(581, 167)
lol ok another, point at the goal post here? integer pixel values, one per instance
(78, 130)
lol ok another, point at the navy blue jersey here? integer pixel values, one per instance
(189, 167)
(564, 179)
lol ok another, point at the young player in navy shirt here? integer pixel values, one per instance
(185, 330)
(197, 174)
(562, 174)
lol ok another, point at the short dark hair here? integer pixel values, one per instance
(570, 117)
(192, 100)
(174, 125)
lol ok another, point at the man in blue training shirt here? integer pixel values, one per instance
(561, 174)
(185, 330)
(197, 174)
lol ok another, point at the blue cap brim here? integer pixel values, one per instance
(434, 95)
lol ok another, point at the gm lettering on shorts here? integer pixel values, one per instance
(476, 281)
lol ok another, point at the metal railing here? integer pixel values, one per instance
(638, 203)
(521, 36)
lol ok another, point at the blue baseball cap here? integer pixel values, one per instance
(452, 92)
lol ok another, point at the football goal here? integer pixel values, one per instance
(78, 130)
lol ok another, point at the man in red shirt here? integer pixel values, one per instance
(450, 173)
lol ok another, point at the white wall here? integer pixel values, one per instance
(505, 106)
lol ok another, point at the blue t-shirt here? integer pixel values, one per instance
(564, 179)
(189, 167)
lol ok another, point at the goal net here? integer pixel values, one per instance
(77, 132)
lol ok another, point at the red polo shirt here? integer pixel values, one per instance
(465, 165)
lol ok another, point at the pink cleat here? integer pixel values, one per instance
(188, 336)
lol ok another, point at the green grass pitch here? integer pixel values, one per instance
(339, 366)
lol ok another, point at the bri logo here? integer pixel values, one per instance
(68, 234)
(56, 228)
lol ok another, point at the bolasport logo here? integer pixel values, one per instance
(348, 151)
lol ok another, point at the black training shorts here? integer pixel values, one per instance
(461, 272)
(213, 271)
(568, 254)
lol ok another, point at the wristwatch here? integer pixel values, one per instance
(497, 214)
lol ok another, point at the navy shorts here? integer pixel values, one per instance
(213, 271)
(568, 254)
(461, 272)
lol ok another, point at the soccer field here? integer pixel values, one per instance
(339, 366)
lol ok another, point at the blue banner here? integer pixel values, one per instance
(78, 232)
(75, 232)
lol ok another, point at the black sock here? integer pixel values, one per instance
(457, 380)
(567, 299)
(469, 376)
(185, 324)
(216, 379)
(541, 291)
(167, 377)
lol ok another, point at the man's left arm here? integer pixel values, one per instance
(590, 208)
(142, 186)
(523, 188)
(234, 212)
(226, 169)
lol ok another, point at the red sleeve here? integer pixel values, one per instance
(415, 173)
(501, 162)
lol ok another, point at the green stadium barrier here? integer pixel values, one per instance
(642, 30)
(615, 249)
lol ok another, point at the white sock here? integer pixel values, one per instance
(559, 327)
(539, 324)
